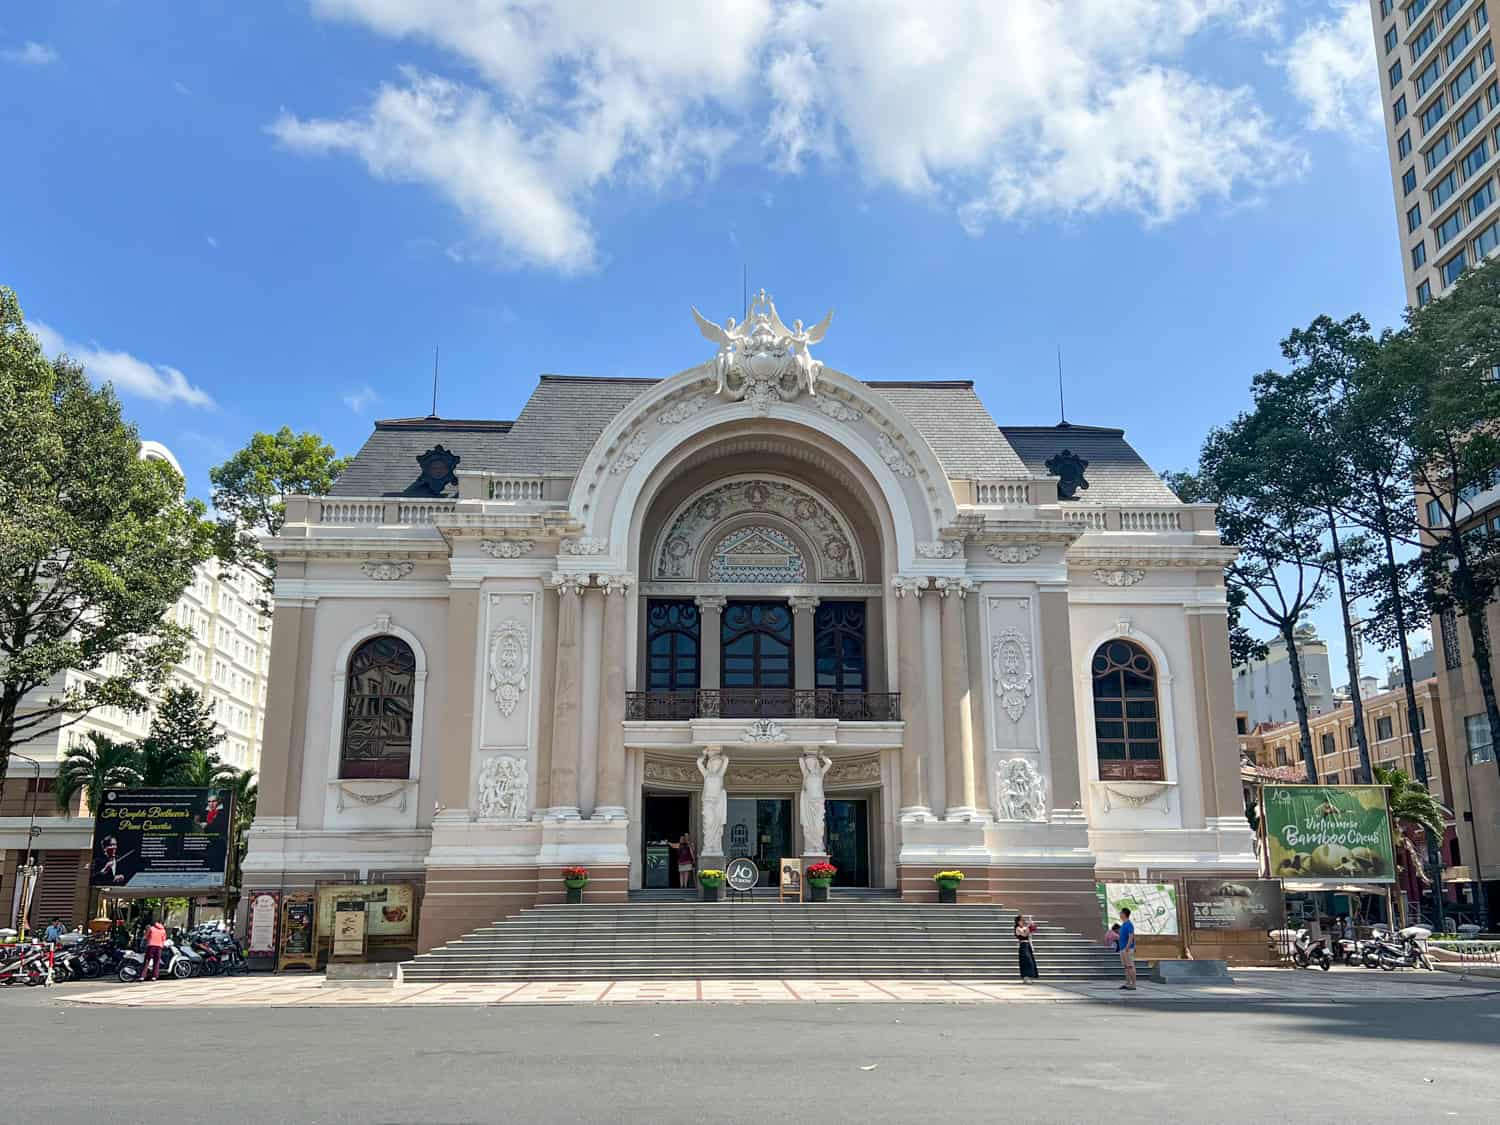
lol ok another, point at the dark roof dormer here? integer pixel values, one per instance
(437, 466)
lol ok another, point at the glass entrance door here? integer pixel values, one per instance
(847, 827)
(761, 828)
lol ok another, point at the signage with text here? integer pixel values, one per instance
(168, 840)
(1329, 833)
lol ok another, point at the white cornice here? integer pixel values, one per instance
(1185, 555)
(1189, 597)
(310, 589)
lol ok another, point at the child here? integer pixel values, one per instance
(1112, 939)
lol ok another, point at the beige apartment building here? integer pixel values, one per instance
(228, 660)
(1442, 108)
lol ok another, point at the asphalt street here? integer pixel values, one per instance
(1028, 1062)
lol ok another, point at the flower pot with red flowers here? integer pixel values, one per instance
(819, 879)
(711, 879)
(575, 879)
(947, 885)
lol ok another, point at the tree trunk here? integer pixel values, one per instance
(1299, 697)
(1361, 740)
(9, 701)
(1413, 721)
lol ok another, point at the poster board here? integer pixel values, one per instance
(1153, 906)
(1241, 905)
(299, 933)
(1338, 833)
(260, 933)
(791, 879)
(390, 908)
(349, 917)
(165, 840)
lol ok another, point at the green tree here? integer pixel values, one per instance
(1279, 573)
(250, 490)
(95, 547)
(206, 771)
(245, 793)
(182, 730)
(1412, 806)
(1443, 372)
(100, 763)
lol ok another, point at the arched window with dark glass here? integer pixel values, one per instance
(673, 646)
(839, 646)
(1127, 719)
(756, 659)
(379, 695)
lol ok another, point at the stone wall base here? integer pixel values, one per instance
(1063, 895)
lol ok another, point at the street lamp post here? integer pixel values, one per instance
(27, 871)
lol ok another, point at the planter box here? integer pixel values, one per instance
(575, 894)
(948, 892)
(710, 894)
(819, 892)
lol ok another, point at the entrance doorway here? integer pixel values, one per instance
(664, 818)
(847, 828)
(760, 828)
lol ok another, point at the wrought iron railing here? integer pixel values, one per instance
(764, 703)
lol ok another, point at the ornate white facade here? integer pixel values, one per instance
(722, 601)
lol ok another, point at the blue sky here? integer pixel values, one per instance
(251, 215)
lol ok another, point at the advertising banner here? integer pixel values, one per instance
(390, 908)
(299, 935)
(172, 841)
(260, 937)
(1153, 906)
(1235, 904)
(1338, 833)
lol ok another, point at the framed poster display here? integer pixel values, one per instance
(299, 933)
(260, 934)
(791, 879)
(349, 928)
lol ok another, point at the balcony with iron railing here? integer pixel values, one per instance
(763, 703)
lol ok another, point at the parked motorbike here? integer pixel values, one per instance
(1307, 952)
(220, 952)
(174, 962)
(27, 963)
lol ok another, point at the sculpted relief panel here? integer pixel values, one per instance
(680, 546)
(506, 672)
(1012, 667)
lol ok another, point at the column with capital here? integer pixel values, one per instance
(909, 671)
(958, 720)
(567, 721)
(804, 660)
(710, 625)
(609, 796)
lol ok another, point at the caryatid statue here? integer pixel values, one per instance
(814, 766)
(713, 764)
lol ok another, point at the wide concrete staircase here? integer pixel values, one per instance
(865, 937)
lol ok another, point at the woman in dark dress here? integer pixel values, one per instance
(1024, 930)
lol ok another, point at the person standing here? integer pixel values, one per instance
(1127, 948)
(1024, 929)
(687, 862)
(54, 931)
(156, 938)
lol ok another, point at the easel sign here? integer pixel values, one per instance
(299, 932)
(349, 918)
(791, 879)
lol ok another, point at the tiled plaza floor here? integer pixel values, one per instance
(1258, 985)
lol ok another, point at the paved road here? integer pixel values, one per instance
(1220, 1061)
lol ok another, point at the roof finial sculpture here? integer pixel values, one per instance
(761, 360)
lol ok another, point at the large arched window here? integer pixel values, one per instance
(378, 710)
(672, 645)
(1127, 720)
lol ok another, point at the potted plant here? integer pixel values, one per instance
(711, 879)
(820, 878)
(947, 884)
(575, 879)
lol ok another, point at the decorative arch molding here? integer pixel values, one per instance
(700, 523)
(1084, 692)
(902, 463)
(382, 626)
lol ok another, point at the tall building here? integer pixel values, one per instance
(1263, 688)
(1442, 108)
(791, 613)
(228, 660)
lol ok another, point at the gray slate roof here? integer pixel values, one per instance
(566, 414)
(1116, 473)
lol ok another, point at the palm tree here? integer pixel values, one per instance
(1412, 806)
(245, 793)
(161, 762)
(205, 771)
(98, 764)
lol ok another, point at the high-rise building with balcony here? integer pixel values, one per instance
(1441, 94)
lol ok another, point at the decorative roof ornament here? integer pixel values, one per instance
(1068, 468)
(761, 360)
(437, 470)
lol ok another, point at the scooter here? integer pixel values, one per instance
(173, 962)
(31, 964)
(1306, 952)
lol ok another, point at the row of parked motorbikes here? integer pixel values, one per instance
(206, 950)
(1384, 949)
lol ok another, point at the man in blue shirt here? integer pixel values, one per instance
(1127, 948)
(54, 931)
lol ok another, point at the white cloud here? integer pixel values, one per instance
(1330, 66)
(211, 240)
(182, 89)
(361, 399)
(30, 53)
(996, 110)
(130, 376)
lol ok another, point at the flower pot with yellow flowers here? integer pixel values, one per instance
(947, 885)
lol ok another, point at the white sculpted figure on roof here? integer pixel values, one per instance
(762, 360)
